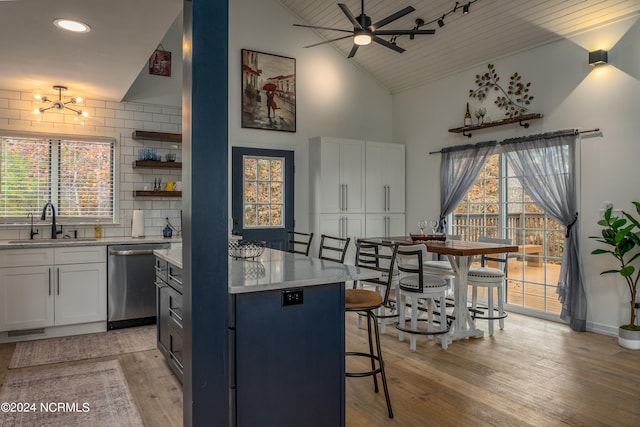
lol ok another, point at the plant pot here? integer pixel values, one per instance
(629, 339)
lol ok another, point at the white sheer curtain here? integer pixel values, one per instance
(459, 169)
(545, 166)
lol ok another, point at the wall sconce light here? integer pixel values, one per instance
(598, 57)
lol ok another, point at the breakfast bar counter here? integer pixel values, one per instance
(286, 334)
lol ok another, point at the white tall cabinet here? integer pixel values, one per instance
(385, 189)
(356, 189)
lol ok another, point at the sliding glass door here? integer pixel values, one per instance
(497, 206)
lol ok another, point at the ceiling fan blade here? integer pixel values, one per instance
(401, 32)
(354, 49)
(385, 43)
(322, 28)
(391, 18)
(347, 12)
(329, 41)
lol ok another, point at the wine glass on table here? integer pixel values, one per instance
(422, 224)
(434, 226)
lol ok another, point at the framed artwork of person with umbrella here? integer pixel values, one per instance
(268, 91)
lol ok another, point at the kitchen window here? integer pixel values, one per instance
(76, 175)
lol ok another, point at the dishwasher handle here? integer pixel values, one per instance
(131, 252)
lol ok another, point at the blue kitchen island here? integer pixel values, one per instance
(286, 335)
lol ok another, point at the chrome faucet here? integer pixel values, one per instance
(54, 228)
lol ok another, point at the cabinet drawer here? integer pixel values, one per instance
(26, 257)
(175, 277)
(81, 254)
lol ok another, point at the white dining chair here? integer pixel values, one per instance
(422, 293)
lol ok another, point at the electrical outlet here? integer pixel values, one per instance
(292, 297)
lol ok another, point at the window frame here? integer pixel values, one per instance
(244, 186)
(115, 168)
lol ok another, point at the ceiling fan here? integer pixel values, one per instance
(364, 32)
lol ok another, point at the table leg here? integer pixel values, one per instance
(463, 325)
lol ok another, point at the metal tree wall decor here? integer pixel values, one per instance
(513, 100)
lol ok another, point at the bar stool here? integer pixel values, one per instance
(371, 255)
(489, 278)
(299, 243)
(421, 292)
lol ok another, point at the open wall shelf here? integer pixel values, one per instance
(154, 164)
(156, 136)
(518, 119)
(151, 193)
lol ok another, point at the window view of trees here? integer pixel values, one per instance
(76, 176)
(497, 206)
(263, 192)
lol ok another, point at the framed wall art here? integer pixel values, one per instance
(268, 91)
(160, 62)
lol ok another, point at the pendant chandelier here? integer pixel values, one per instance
(60, 105)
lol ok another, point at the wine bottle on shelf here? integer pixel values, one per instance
(467, 117)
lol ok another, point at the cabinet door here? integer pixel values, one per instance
(384, 225)
(352, 159)
(376, 186)
(394, 177)
(81, 293)
(330, 184)
(26, 298)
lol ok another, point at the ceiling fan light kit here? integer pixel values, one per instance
(364, 32)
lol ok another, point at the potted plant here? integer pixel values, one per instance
(622, 236)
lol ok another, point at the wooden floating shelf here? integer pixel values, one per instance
(156, 136)
(150, 193)
(518, 119)
(155, 164)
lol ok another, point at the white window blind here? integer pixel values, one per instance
(75, 175)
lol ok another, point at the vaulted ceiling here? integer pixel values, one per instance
(491, 29)
(104, 63)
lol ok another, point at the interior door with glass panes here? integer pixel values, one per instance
(262, 195)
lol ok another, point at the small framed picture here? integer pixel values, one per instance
(160, 63)
(268, 91)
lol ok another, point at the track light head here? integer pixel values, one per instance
(441, 22)
(465, 8)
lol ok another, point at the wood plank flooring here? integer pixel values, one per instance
(533, 373)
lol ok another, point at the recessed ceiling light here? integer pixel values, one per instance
(70, 25)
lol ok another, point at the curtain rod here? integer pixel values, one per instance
(577, 132)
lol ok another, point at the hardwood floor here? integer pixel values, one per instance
(533, 373)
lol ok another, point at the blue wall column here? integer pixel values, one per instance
(204, 177)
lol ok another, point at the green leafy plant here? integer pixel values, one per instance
(622, 236)
(513, 101)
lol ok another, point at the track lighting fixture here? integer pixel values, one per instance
(419, 23)
(465, 8)
(441, 21)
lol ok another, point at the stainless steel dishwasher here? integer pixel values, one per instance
(131, 286)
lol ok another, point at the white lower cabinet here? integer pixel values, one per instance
(26, 298)
(57, 292)
(384, 225)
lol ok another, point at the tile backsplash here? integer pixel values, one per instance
(109, 119)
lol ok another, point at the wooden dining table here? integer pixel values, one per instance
(460, 254)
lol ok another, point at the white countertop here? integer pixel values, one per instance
(279, 270)
(50, 243)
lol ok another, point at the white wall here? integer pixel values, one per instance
(110, 119)
(334, 97)
(570, 94)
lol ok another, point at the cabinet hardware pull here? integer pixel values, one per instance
(346, 197)
(175, 359)
(172, 311)
(175, 279)
(49, 281)
(58, 279)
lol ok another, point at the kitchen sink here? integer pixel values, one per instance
(37, 241)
